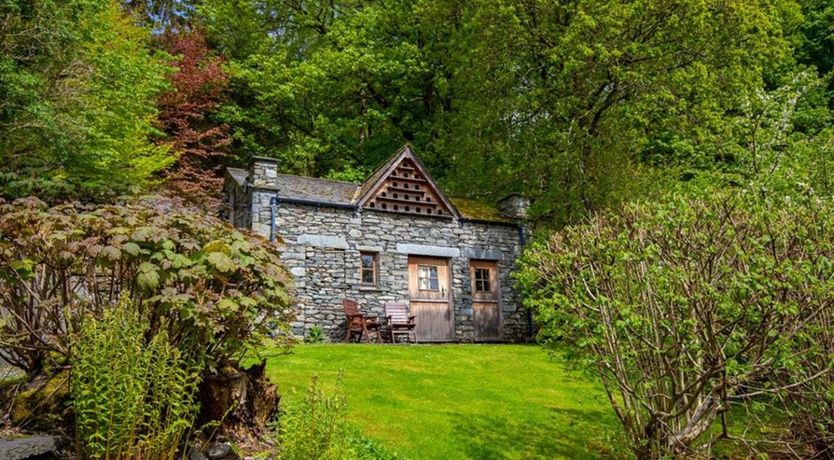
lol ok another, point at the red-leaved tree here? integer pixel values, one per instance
(197, 87)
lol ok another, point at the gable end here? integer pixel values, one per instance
(403, 185)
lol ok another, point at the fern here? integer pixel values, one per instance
(133, 396)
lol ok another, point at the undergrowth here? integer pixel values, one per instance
(133, 395)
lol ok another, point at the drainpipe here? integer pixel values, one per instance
(273, 204)
(522, 238)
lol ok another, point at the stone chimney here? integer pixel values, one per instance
(514, 207)
(263, 172)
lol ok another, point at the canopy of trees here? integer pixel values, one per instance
(579, 104)
(78, 88)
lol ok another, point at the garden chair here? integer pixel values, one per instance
(399, 321)
(356, 321)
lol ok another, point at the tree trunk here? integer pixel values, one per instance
(242, 400)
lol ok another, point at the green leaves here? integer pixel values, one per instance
(131, 248)
(80, 87)
(148, 276)
(197, 273)
(221, 262)
(132, 391)
(717, 292)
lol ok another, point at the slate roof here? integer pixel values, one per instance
(292, 187)
(315, 189)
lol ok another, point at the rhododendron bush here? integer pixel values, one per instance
(214, 290)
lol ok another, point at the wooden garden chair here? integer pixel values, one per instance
(399, 321)
(356, 321)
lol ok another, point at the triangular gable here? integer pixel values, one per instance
(404, 185)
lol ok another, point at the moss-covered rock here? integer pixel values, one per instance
(41, 404)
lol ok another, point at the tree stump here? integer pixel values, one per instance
(243, 401)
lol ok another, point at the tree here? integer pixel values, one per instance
(329, 87)
(687, 307)
(161, 14)
(186, 111)
(583, 104)
(79, 84)
(579, 104)
(817, 35)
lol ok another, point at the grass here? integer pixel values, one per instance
(459, 401)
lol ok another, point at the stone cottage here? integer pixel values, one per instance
(394, 237)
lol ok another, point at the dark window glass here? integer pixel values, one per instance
(482, 280)
(368, 270)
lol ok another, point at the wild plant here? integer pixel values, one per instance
(315, 428)
(133, 393)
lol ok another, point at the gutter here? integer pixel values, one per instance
(491, 222)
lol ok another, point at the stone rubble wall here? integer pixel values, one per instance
(236, 208)
(322, 246)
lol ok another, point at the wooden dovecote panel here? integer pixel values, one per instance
(407, 190)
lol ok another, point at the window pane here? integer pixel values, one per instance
(485, 286)
(368, 268)
(427, 278)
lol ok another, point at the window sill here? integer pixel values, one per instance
(370, 289)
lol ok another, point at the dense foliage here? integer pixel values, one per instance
(187, 108)
(213, 289)
(78, 87)
(579, 104)
(132, 396)
(687, 307)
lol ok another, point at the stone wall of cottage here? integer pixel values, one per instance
(237, 206)
(322, 248)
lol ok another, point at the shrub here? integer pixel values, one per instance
(686, 306)
(212, 289)
(811, 388)
(315, 335)
(133, 394)
(316, 427)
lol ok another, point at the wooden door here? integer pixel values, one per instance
(431, 298)
(486, 307)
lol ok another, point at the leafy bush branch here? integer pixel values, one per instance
(211, 289)
(685, 307)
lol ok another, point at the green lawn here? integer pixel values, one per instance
(459, 401)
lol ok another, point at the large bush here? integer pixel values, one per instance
(685, 307)
(213, 290)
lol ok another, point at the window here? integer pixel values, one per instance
(482, 280)
(368, 270)
(427, 278)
